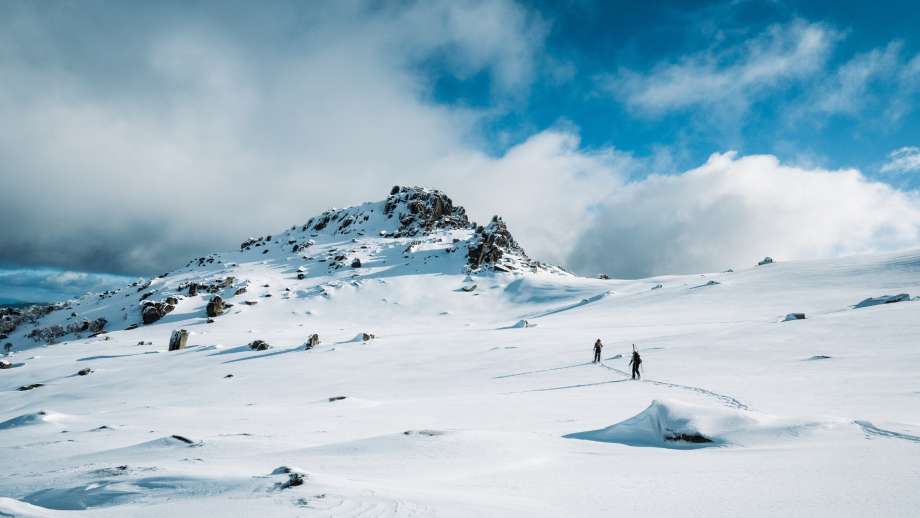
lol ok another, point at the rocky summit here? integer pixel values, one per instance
(413, 230)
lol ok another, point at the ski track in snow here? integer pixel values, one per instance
(724, 399)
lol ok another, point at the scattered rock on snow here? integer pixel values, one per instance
(6, 364)
(215, 307)
(794, 316)
(766, 260)
(294, 479)
(84, 372)
(468, 287)
(178, 339)
(30, 387)
(367, 337)
(259, 345)
(819, 357)
(336, 398)
(312, 341)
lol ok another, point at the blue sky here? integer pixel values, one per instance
(593, 42)
(132, 135)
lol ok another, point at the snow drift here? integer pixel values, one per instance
(679, 425)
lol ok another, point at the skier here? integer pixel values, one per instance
(597, 350)
(635, 362)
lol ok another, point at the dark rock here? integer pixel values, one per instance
(84, 372)
(186, 440)
(178, 339)
(240, 291)
(301, 276)
(192, 289)
(172, 300)
(259, 345)
(153, 311)
(367, 337)
(294, 479)
(250, 302)
(336, 398)
(5, 364)
(794, 316)
(490, 243)
(766, 260)
(356, 263)
(603, 276)
(215, 307)
(394, 190)
(695, 438)
(228, 376)
(313, 341)
(30, 387)
(468, 287)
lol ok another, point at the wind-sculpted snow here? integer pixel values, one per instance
(436, 389)
(679, 425)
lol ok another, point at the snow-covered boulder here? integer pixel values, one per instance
(884, 299)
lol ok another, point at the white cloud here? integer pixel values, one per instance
(193, 134)
(846, 90)
(728, 78)
(903, 160)
(733, 211)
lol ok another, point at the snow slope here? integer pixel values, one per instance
(456, 408)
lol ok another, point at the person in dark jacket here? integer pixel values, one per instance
(597, 350)
(635, 362)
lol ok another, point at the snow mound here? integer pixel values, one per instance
(679, 425)
(29, 420)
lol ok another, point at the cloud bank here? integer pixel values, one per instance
(733, 211)
(197, 132)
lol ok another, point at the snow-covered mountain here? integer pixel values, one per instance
(452, 377)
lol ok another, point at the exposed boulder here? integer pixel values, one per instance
(192, 289)
(356, 263)
(178, 340)
(367, 337)
(490, 243)
(153, 311)
(419, 210)
(6, 364)
(215, 307)
(259, 345)
(312, 342)
(794, 316)
(766, 260)
(84, 372)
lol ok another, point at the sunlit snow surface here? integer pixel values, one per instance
(456, 408)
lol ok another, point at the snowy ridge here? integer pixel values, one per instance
(340, 245)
